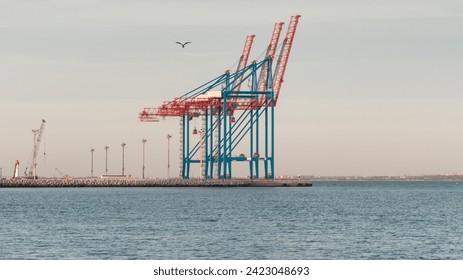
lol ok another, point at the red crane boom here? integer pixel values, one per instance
(271, 50)
(181, 106)
(284, 56)
(244, 58)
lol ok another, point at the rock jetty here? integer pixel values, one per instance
(129, 182)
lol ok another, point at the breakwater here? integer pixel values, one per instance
(129, 182)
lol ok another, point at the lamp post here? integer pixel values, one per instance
(106, 148)
(123, 148)
(143, 169)
(91, 165)
(168, 155)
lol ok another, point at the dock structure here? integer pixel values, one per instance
(84, 182)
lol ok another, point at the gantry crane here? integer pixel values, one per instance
(229, 113)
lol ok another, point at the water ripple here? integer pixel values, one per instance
(332, 220)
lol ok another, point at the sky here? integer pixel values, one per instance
(372, 87)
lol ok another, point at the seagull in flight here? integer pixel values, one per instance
(183, 45)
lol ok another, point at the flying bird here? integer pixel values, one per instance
(183, 45)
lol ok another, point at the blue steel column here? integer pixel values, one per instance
(257, 142)
(219, 143)
(187, 134)
(230, 149)
(266, 141)
(272, 161)
(226, 133)
(186, 147)
(211, 144)
(251, 141)
(183, 147)
(224, 145)
(206, 144)
(254, 125)
(272, 123)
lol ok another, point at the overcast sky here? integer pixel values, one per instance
(372, 87)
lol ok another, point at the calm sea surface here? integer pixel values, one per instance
(331, 220)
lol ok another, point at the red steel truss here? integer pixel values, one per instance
(195, 105)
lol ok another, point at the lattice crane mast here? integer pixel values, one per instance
(271, 50)
(284, 56)
(244, 59)
(37, 138)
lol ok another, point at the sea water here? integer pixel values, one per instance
(331, 220)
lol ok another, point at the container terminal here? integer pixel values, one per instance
(236, 113)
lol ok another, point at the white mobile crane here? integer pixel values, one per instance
(37, 133)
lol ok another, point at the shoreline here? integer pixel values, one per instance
(129, 182)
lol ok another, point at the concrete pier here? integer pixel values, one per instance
(85, 182)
